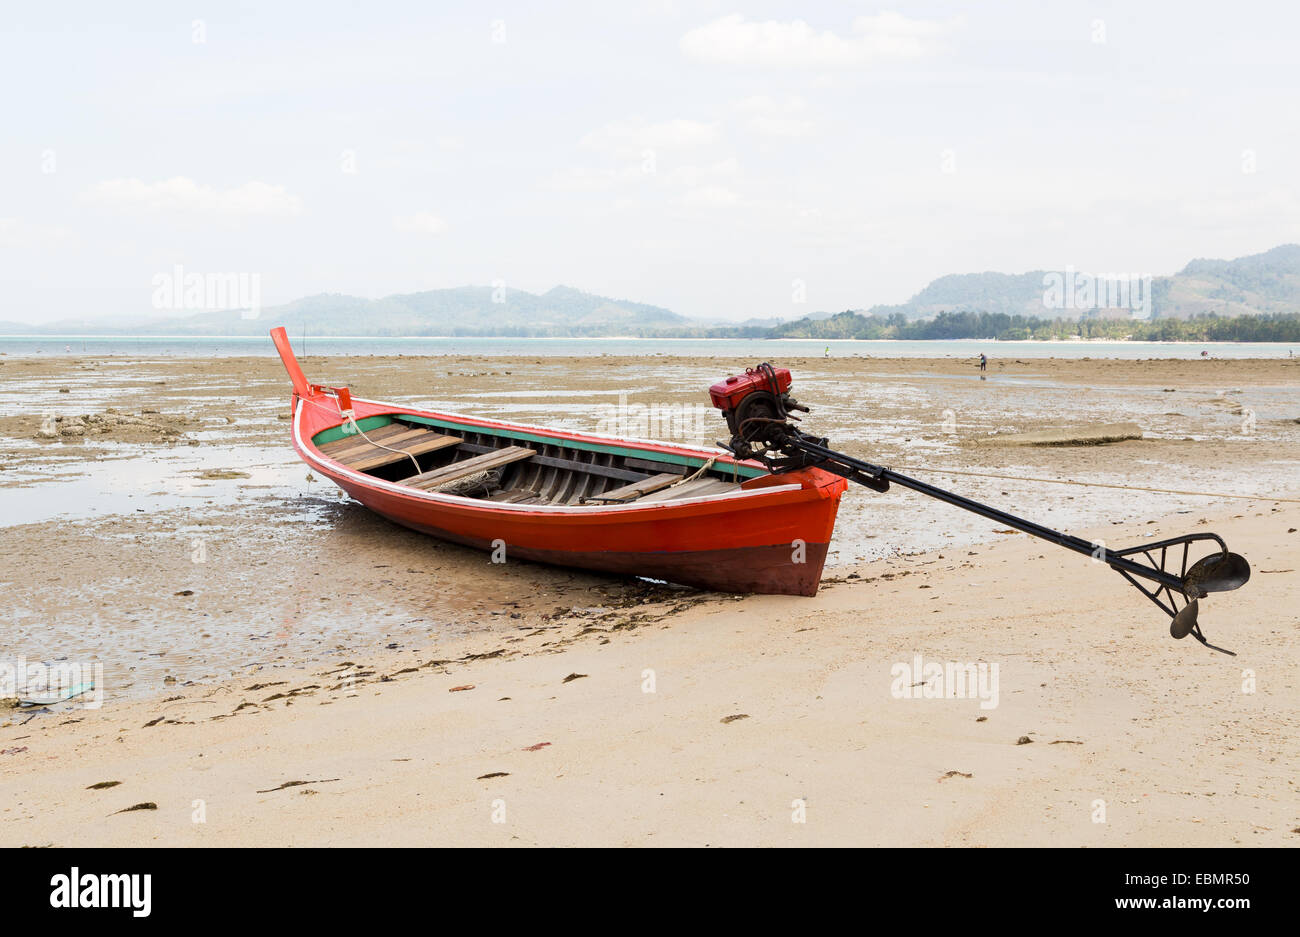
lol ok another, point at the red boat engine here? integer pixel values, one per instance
(757, 407)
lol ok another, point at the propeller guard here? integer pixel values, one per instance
(1217, 572)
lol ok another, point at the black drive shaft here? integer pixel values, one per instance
(879, 477)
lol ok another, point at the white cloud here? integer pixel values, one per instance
(781, 126)
(710, 196)
(422, 222)
(182, 195)
(630, 138)
(583, 179)
(885, 37)
(783, 116)
(684, 176)
(16, 234)
(692, 176)
(765, 103)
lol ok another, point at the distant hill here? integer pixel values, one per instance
(1266, 284)
(987, 292)
(1255, 298)
(1208, 327)
(1254, 285)
(1260, 283)
(847, 324)
(466, 310)
(462, 311)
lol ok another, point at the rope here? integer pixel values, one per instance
(362, 433)
(698, 472)
(352, 422)
(1066, 481)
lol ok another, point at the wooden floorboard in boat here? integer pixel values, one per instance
(375, 457)
(637, 489)
(571, 465)
(648, 465)
(341, 448)
(388, 429)
(513, 495)
(481, 463)
(693, 489)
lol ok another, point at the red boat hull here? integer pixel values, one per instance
(775, 548)
(772, 536)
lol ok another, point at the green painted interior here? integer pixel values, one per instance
(744, 471)
(338, 432)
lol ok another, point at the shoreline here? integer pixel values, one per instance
(116, 336)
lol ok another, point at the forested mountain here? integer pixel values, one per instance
(1264, 285)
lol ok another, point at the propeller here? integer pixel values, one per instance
(1182, 624)
(1218, 572)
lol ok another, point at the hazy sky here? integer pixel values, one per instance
(699, 156)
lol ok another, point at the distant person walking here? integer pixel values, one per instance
(984, 362)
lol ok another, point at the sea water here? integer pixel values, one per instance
(744, 349)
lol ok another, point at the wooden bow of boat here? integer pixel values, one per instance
(694, 516)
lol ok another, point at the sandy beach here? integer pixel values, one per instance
(281, 667)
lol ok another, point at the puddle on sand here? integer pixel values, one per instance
(154, 617)
(162, 480)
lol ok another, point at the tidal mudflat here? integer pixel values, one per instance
(255, 628)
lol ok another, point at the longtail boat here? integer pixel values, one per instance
(695, 516)
(755, 515)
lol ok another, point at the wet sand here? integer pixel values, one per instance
(206, 571)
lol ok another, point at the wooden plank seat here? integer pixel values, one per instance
(363, 456)
(571, 465)
(457, 470)
(692, 489)
(343, 449)
(647, 465)
(516, 496)
(431, 442)
(635, 490)
(353, 440)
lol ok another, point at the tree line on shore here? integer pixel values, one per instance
(1273, 327)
